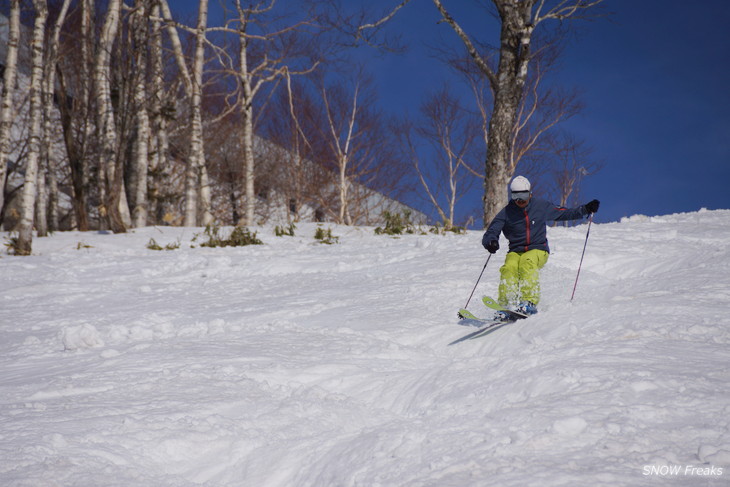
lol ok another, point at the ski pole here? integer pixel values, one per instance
(590, 220)
(477, 283)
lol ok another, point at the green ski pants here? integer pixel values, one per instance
(520, 277)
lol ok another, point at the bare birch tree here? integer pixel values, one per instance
(325, 155)
(25, 227)
(252, 79)
(355, 145)
(574, 162)
(342, 132)
(196, 178)
(197, 152)
(452, 132)
(82, 180)
(7, 111)
(142, 129)
(110, 164)
(254, 74)
(47, 184)
(296, 124)
(518, 21)
(300, 179)
(159, 143)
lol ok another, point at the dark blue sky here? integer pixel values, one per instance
(655, 79)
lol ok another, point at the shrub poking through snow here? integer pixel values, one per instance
(325, 236)
(397, 224)
(239, 237)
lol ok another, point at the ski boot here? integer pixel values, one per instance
(527, 308)
(501, 316)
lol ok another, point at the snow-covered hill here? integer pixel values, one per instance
(302, 364)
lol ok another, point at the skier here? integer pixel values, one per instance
(524, 222)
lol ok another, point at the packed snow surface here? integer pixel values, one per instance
(296, 363)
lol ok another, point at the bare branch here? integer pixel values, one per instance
(564, 10)
(380, 22)
(471, 49)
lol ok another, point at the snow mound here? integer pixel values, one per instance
(81, 337)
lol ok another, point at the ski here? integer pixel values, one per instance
(492, 304)
(466, 317)
(488, 328)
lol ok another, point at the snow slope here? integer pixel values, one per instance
(302, 364)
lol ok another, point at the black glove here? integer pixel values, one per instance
(492, 246)
(592, 206)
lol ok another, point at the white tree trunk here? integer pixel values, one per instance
(41, 201)
(247, 111)
(47, 186)
(249, 165)
(344, 185)
(159, 138)
(139, 21)
(342, 151)
(7, 112)
(176, 46)
(196, 158)
(204, 196)
(106, 126)
(252, 78)
(25, 229)
(82, 184)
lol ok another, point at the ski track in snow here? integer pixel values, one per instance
(302, 364)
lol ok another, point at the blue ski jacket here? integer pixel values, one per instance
(526, 228)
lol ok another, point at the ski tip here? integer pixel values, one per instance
(489, 300)
(464, 314)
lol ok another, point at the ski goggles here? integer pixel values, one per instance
(521, 195)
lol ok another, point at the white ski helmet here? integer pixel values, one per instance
(519, 184)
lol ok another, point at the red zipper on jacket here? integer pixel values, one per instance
(527, 230)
